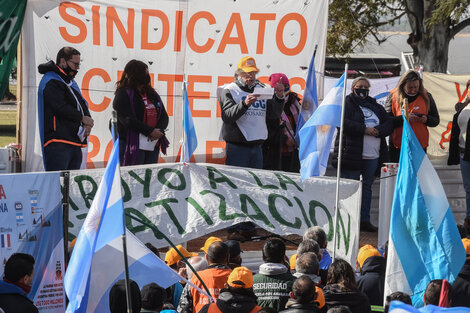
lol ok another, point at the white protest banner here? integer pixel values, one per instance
(186, 201)
(203, 40)
(31, 222)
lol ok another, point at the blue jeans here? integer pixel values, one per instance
(144, 157)
(369, 167)
(244, 156)
(60, 156)
(465, 169)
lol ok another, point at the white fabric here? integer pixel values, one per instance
(462, 121)
(371, 146)
(252, 124)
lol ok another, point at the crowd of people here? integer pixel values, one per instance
(309, 282)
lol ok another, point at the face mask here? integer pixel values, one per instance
(144, 80)
(70, 72)
(411, 95)
(240, 80)
(361, 93)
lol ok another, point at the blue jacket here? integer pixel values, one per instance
(14, 300)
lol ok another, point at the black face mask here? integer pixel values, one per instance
(361, 93)
(70, 72)
(145, 80)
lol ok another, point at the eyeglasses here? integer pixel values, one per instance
(76, 64)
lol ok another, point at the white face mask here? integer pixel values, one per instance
(410, 95)
(243, 83)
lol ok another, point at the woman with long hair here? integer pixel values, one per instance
(422, 111)
(142, 118)
(341, 288)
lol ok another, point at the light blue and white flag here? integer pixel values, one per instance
(103, 224)
(424, 241)
(317, 134)
(309, 99)
(400, 307)
(190, 138)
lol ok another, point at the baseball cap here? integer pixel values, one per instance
(366, 252)
(233, 248)
(241, 277)
(293, 261)
(171, 257)
(247, 64)
(466, 245)
(208, 242)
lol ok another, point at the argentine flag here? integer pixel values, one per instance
(317, 134)
(424, 242)
(97, 260)
(400, 307)
(190, 138)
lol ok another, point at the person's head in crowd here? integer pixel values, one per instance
(208, 242)
(411, 85)
(217, 253)
(366, 252)
(276, 78)
(318, 234)
(339, 309)
(342, 274)
(153, 249)
(173, 258)
(68, 59)
(399, 296)
(466, 245)
(136, 76)
(274, 251)
(268, 310)
(199, 263)
(118, 299)
(438, 292)
(246, 72)
(360, 87)
(19, 269)
(234, 252)
(153, 297)
(240, 281)
(462, 231)
(309, 245)
(307, 263)
(303, 290)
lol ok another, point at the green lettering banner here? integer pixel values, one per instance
(186, 201)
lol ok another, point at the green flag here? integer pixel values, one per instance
(11, 20)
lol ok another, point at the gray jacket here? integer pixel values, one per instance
(232, 111)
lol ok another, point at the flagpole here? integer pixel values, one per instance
(124, 241)
(184, 108)
(338, 171)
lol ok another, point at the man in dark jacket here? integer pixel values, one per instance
(303, 293)
(274, 281)
(372, 279)
(461, 286)
(238, 297)
(16, 284)
(64, 118)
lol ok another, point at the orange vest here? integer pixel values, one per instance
(320, 298)
(215, 279)
(420, 129)
(213, 308)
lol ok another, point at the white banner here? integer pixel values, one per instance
(186, 201)
(202, 40)
(31, 222)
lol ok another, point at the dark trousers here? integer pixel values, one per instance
(60, 156)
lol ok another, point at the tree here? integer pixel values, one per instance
(433, 24)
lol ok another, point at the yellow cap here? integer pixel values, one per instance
(466, 245)
(171, 257)
(247, 65)
(366, 252)
(241, 277)
(208, 242)
(292, 261)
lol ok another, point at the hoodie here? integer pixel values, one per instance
(14, 300)
(272, 285)
(57, 104)
(372, 279)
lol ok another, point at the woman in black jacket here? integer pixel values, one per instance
(142, 118)
(366, 124)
